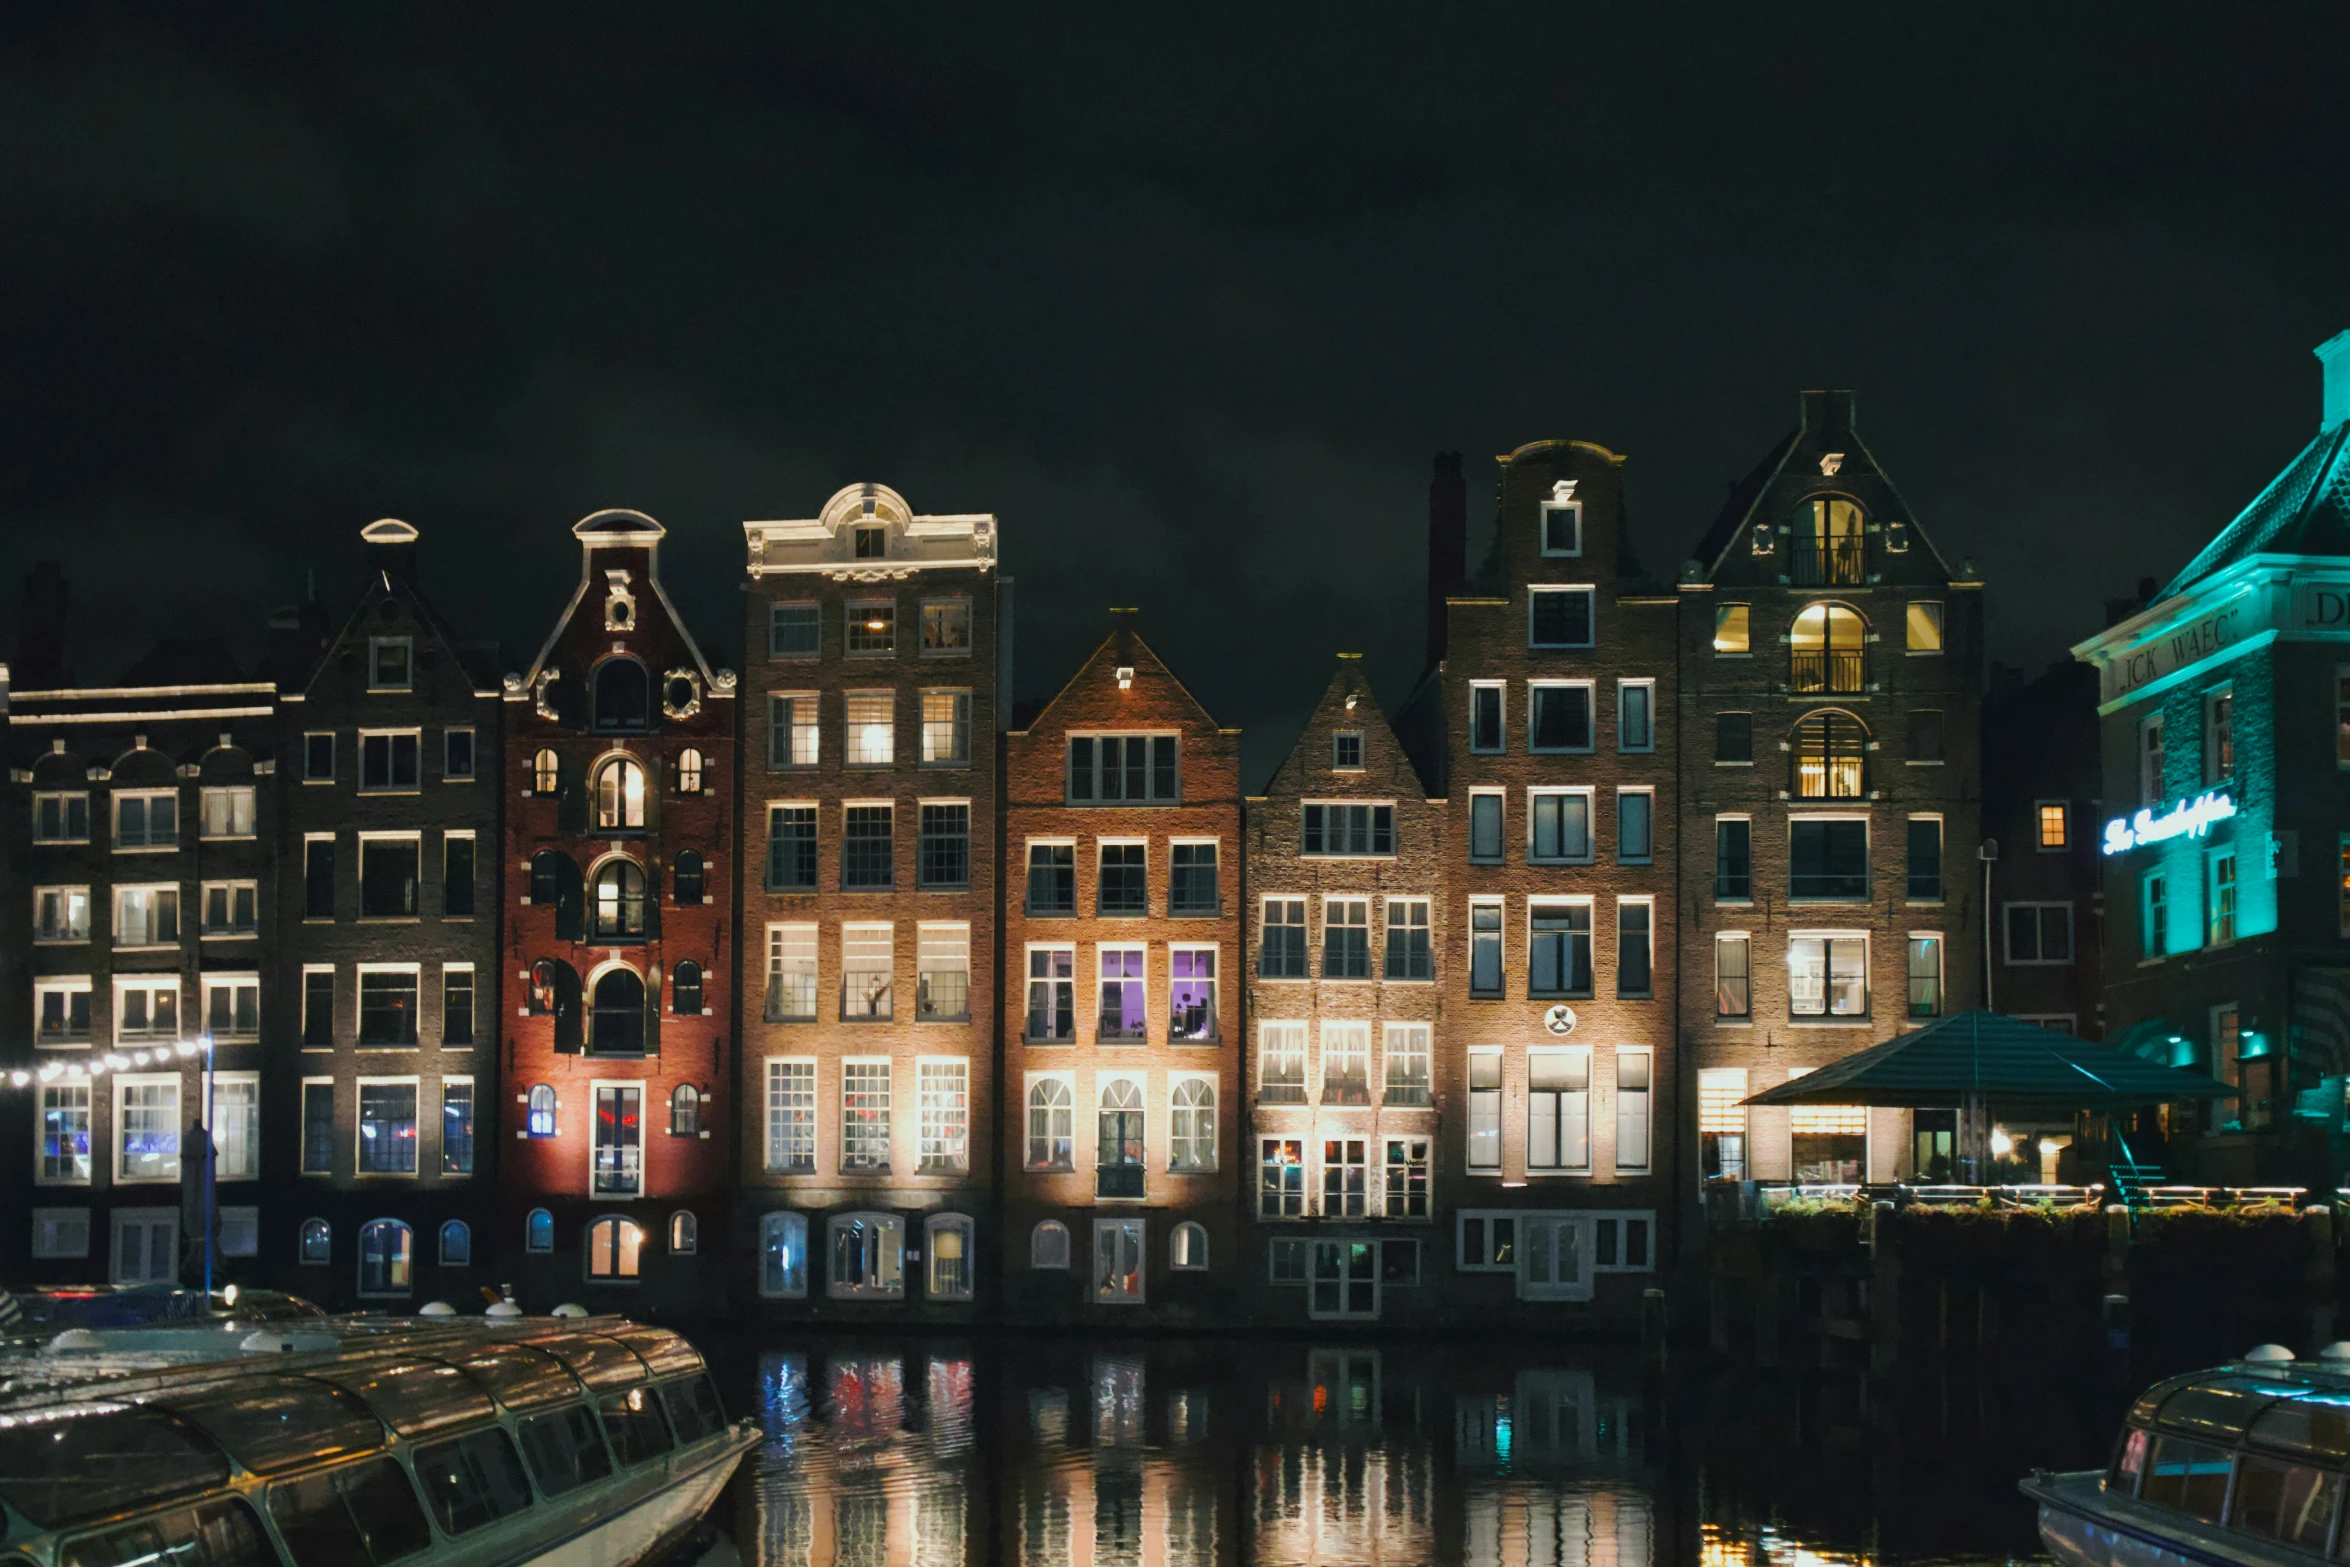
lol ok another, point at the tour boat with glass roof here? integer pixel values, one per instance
(2239, 1465)
(358, 1442)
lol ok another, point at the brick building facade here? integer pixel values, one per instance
(1350, 922)
(381, 1006)
(870, 887)
(1121, 1014)
(618, 871)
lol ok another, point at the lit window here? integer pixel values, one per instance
(1828, 976)
(873, 627)
(615, 1249)
(546, 773)
(1189, 1249)
(538, 1231)
(1051, 1125)
(946, 727)
(1407, 1178)
(1925, 976)
(387, 1257)
(1485, 1107)
(1733, 978)
(791, 1117)
(868, 1256)
(2219, 735)
(685, 1234)
(541, 1110)
(1558, 1110)
(783, 1256)
(1827, 543)
(947, 1252)
(1346, 1063)
(689, 771)
(943, 1117)
(1924, 624)
(228, 812)
(1191, 1134)
(871, 736)
(1281, 1063)
(1052, 995)
(2052, 815)
(794, 734)
(1827, 650)
(1830, 756)
(1731, 634)
(864, 1114)
(1117, 1261)
(620, 901)
(620, 796)
(946, 626)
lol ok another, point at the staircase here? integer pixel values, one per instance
(2129, 1179)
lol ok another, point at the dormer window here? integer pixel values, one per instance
(1827, 540)
(870, 542)
(1346, 751)
(621, 694)
(1562, 521)
(390, 664)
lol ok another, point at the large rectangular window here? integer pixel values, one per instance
(1052, 995)
(1052, 879)
(61, 914)
(1191, 998)
(791, 1117)
(146, 916)
(791, 848)
(1558, 1111)
(1485, 826)
(866, 858)
(1281, 952)
(1406, 1062)
(864, 1115)
(793, 631)
(866, 973)
(1558, 962)
(795, 733)
(1407, 1179)
(946, 728)
(390, 762)
(1828, 859)
(1733, 859)
(387, 1127)
(318, 1126)
(1123, 770)
(871, 733)
(1125, 880)
(1925, 859)
(1633, 1069)
(1411, 953)
(2039, 933)
(1559, 717)
(1558, 617)
(1721, 1123)
(146, 1010)
(1348, 830)
(1635, 947)
(387, 1006)
(146, 1128)
(65, 1134)
(1123, 1013)
(61, 818)
(1828, 976)
(1558, 825)
(1346, 938)
(1485, 1110)
(946, 626)
(1635, 825)
(1485, 948)
(1281, 1063)
(1191, 880)
(228, 812)
(1346, 1178)
(387, 877)
(619, 1140)
(231, 908)
(944, 857)
(1485, 717)
(1925, 975)
(232, 1006)
(457, 1126)
(61, 1010)
(791, 974)
(943, 1116)
(872, 627)
(1733, 975)
(1346, 1063)
(942, 977)
(146, 820)
(1281, 1178)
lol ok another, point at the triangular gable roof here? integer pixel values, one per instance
(618, 525)
(428, 615)
(1806, 440)
(2304, 511)
(1345, 681)
(2001, 1058)
(1124, 645)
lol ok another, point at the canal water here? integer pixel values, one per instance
(1039, 1452)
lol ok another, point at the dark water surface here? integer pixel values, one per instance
(1205, 1452)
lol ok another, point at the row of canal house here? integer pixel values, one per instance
(836, 987)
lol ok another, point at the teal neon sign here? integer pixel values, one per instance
(2187, 819)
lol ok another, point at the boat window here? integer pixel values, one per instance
(271, 1425)
(2129, 1461)
(363, 1513)
(2142, 1412)
(633, 1421)
(564, 1450)
(2219, 1409)
(518, 1377)
(665, 1352)
(2318, 1425)
(414, 1397)
(2187, 1477)
(472, 1481)
(219, 1533)
(594, 1359)
(59, 1472)
(2284, 1501)
(693, 1408)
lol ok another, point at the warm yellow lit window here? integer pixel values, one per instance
(2052, 829)
(1730, 629)
(1829, 1120)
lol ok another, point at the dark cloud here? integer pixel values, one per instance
(1186, 301)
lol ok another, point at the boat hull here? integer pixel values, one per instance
(652, 1525)
(2083, 1526)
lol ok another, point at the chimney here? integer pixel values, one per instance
(39, 664)
(1827, 415)
(1448, 544)
(391, 548)
(2334, 355)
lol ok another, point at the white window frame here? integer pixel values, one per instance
(1616, 954)
(1501, 726)
(1485, 1216)
(1265, 1053)
(51, 1227)
(1828, 1017)
(850, 725)
(1176, 1080)
(1623, 688)
(1590, 690)
(926, 1120)
(440, 1166)
(204, 891)
(228, 792)
(1616, 1158)
(147, 1219)
(926, 955)
(1589, 590)
(1500, 1092)
(302, 1123)
(1620, 1218)
(209, 1106)
(88, 1089)
(1028, 1087)
(1745, 1019)
(360, 971)
(887, 1223)
(1501, 943)
(229, 980)
(45, 985)
(889, 1160)
(1101, 950)
(1572, 1171)
(124, 1081)
(302, 1021)
(1501, 805)
(64, 893)
(359, 1120)
(769, 1111)
(1647, 791)
(1559, 507)
(794, 727)
(1419, 1044)
(146, 845)
(1590, 852)
(2007, 932)
(1141, 1293)
(923, 721)
(126, 983)
(966, 1229)
(150, 890)
(375, 648)
(65, 799)
(360, 750)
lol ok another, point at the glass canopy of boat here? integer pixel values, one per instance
(2255, 1451)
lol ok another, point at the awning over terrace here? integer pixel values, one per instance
(1979, 1057)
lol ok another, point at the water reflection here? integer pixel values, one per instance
(1201, 1454)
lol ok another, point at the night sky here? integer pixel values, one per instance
(1187, 306)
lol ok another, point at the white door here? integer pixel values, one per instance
(1345, 1279)
(1117, 1260)
(1554, 1257)
(146, 1245)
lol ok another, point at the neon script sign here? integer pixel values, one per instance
(2189, 818)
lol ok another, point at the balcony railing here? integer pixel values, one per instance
(1834, 671)
(1836, 563)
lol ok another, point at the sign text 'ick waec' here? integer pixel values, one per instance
(2191, 818)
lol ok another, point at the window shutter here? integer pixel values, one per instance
(653, 1011)
(567, 900)
(567, 1019)
(653, 901)
(571, 796)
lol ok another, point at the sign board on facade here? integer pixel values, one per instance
(2189, 818)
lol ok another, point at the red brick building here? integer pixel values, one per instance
(1122, 813)
(870, 885)
(618, 872)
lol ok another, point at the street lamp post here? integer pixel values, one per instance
(211, 1147)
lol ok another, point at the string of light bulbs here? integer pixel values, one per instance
(111, 1061)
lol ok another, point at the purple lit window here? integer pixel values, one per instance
(1191, 1011)
(1122, 1014)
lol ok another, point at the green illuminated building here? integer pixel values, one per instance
(2224, 710)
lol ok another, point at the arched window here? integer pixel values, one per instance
(546, 878)
(1189, 1247)
(685, 989)
(317, 1241)
(685, 1111)
(689, 771)
(622, 692)
(538, 1231)
(542, 1110)
(1827, 650)
(1052, 1125)
(783, 1256)
(685, 1234)
(1827, 542)
(546, 772)
(1048, 1245)
(387, 1257)
(868, 1257)
(1831, 756)
(686, 885)
(1191, 1130)
(1119, 1153)
(947, 1246)
(620, 796)
(620, 901)
(615, 1247)
(456, 1244)
(620, 1014)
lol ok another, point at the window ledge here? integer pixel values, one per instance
(1733, 1022)
(1635, 995)
(391, 919)
(1733, 903)
(1047, 1043)
(220, 935)
(411, 789)
(1724, 762)
(146, 848)
(961, 886)
(1831, 1022)
(1924, 761)
(1645, 859)
(73, 941)
(1924, 903)
(1815, 901)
